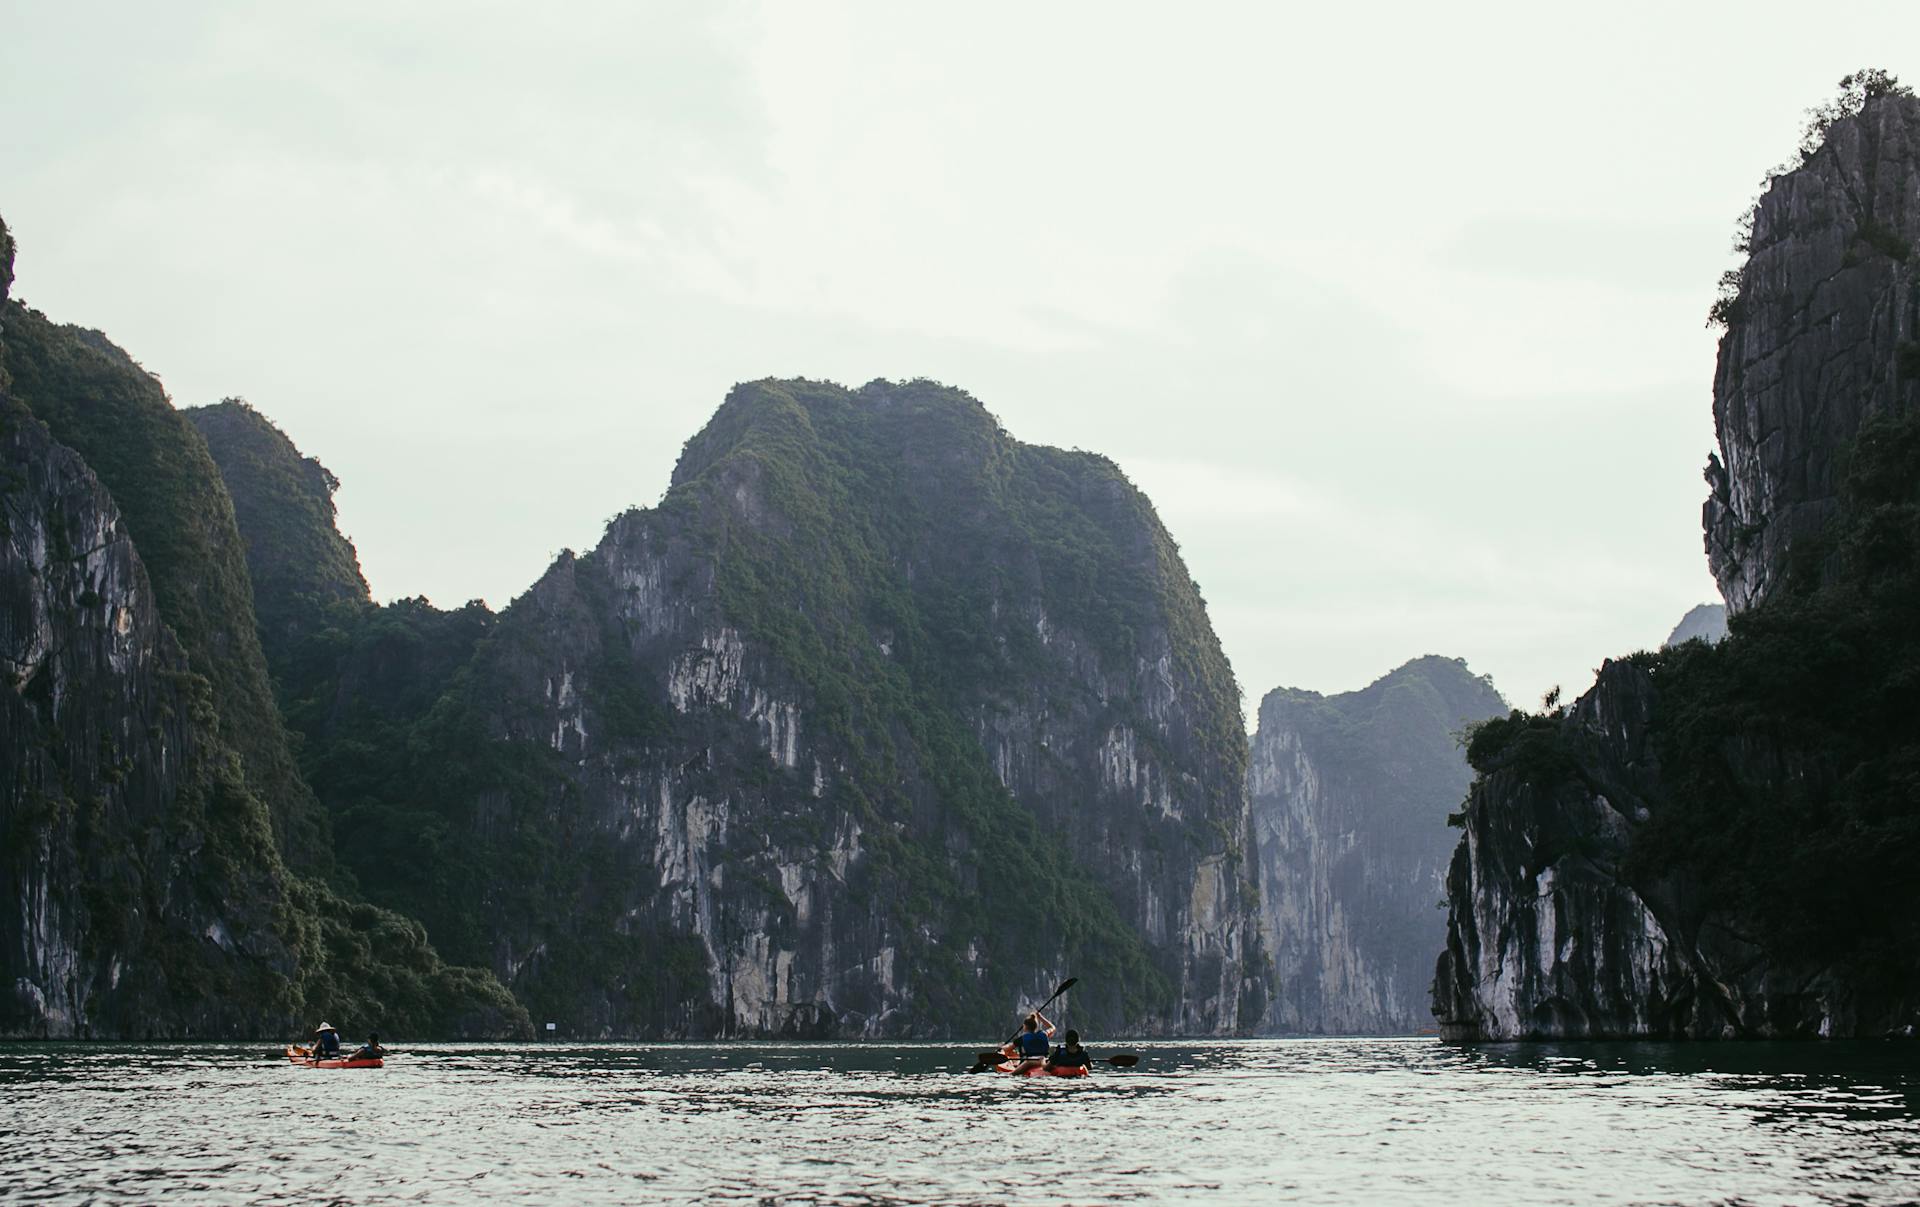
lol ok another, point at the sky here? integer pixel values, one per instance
(1395, 311)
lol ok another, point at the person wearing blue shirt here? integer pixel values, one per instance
(1035, 1040)
(326, 1042)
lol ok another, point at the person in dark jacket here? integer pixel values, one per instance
(371, 1050)
(1069, 1055)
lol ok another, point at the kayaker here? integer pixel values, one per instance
(1031, 1046)
(326, 1042)
(371, 1050)
(1069, 1055)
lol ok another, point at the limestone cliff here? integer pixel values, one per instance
(139, 873)
(141, 891)
(880, 723)
(97, 401)
(1823, 332)
(1350, 799)
(1717, 840)
(1578, 913)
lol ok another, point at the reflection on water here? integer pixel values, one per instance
(1358, 1121)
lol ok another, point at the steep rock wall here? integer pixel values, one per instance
(1350, 797)
(1717, 840)
(96, 400)
(881, 723)
(141, 892)
(1824, 332)
(1558, 931)
(141, 883)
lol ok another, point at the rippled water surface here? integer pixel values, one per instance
(1350, 1121)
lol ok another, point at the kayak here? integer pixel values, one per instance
(1008, 1066)
(312, 1064)
(299, 1057)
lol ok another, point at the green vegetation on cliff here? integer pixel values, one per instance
(98, 402)
(871, 544)
(1788, 755)
(295, 556)
(148, 800)
(854, 486)
(1819, 689)
(394, 729)
(856, 489)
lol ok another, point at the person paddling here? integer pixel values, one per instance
(326, 1042)
(1070, 1055)
(1030, 1047)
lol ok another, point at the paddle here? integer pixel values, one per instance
(985, 1059)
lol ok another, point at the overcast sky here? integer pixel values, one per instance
(1395, 311)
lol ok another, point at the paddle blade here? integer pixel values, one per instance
(987, 1058)
(1126, 1060)
(1065, 985)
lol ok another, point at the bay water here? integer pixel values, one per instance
(1310, 1120)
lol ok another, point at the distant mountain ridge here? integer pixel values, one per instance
(1707, 622)
(1351, 795)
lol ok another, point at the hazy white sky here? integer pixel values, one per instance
(1395, 311)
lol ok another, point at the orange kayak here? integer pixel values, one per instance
(299, 1056)
(1008, 1066)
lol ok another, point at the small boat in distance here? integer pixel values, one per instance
(303, 1056)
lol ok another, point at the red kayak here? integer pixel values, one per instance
(299, 1056)
(1008, 1066)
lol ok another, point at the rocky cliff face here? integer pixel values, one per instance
(1824, 332)
(141, 892)
(139, 873)
(1566, 923)
(95, 400)
(1717, 840)
(1350, 799)
(879, 724)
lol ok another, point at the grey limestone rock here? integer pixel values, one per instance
(880, 724)
(1555, 930)
(142, 886)
(1351, 794)
(1825, 331)
(1553, 934)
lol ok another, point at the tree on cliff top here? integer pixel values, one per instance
(1857, 90)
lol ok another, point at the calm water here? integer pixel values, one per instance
(1337, 1121)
